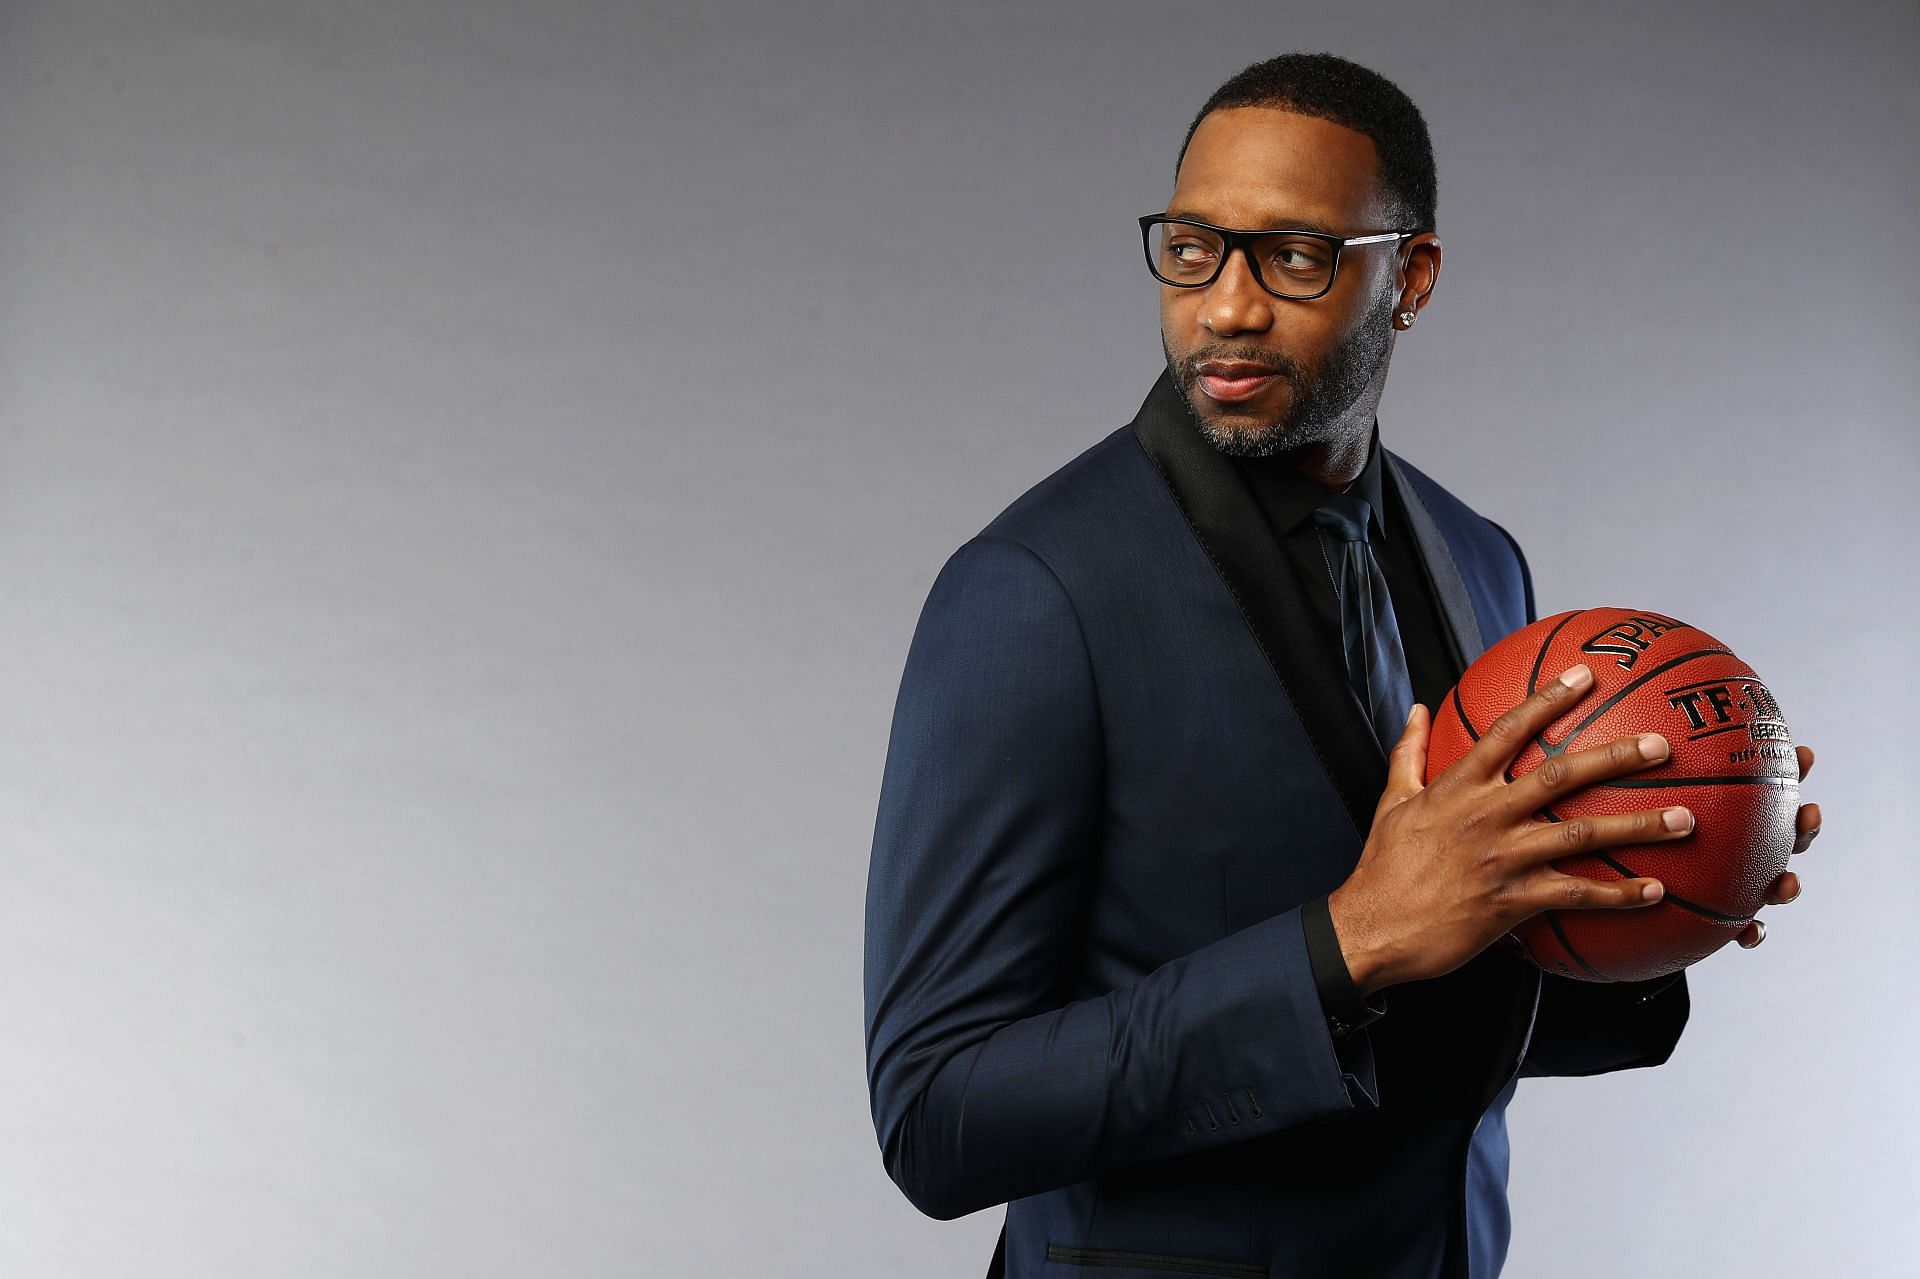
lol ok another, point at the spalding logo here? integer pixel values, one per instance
(1630, 637)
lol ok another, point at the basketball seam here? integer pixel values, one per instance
(1553, 922)
(1642, 783)
(1533, 680)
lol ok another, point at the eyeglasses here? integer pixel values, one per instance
(1289, 264)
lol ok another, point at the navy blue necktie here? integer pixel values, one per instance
(1376, 662)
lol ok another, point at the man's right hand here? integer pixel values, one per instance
(1450, 867)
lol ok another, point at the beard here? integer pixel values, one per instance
(1317, 399)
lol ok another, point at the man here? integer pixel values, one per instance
(1168, 947)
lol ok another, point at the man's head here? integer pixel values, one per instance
(1303, 141)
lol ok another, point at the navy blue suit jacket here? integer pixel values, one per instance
(1120, 762)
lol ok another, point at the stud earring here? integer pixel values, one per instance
(1406, 319)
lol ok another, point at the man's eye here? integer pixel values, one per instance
(1189, 252)
(1294, 258)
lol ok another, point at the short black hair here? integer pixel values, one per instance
(1346, 93)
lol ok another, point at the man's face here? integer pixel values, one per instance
(1260, 168)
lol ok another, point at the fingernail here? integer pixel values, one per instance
(1653, 746)
(1577, 676)
(1794, 898)
(1652, 892)
(1410, 710)
(1677, 819)
(1761, 924)
(1812, 833)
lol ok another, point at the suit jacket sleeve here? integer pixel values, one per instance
(1591, 1028)
(987, 1082)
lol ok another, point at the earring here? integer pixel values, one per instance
(1406, 319)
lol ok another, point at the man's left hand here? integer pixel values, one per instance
(1806, 824)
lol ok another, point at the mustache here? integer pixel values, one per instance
(1270, 361)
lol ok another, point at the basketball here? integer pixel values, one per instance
(1732, 764)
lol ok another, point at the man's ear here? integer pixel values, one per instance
(1420, 272)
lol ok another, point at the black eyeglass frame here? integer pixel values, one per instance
(1231, 239)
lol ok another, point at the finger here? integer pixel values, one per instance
(1551, 890)
(1806, 824)
(1515, 727)
(1783, 890)
(1407, 764)
(1806, 760)
(1752, 935)
(1550, 841)
(1560, 775)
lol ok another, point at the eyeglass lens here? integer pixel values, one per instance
(1291, 265)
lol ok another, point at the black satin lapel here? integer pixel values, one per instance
(1442, 572)
(1461, 1036)
(1226, 518)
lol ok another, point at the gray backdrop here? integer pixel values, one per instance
(469, 473)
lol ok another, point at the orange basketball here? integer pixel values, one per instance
(1733, 765)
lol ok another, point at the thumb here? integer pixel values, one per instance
(1407, 765)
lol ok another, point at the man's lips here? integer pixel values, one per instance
(1223, 380)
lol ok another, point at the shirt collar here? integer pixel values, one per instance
(1290, 496)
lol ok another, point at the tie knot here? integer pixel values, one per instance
(1345, 515)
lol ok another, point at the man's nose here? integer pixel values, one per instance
(1235, 301)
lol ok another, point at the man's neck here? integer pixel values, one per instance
(1338, 461)
(1334, 465)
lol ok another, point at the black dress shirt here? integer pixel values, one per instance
(1288, 498)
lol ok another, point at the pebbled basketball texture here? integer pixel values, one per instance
(1733, 765)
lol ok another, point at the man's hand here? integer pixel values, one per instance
(1806, 824)
(1448, 868)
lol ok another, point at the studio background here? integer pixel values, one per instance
(469, 473)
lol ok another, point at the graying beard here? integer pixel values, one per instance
(1297, 430)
